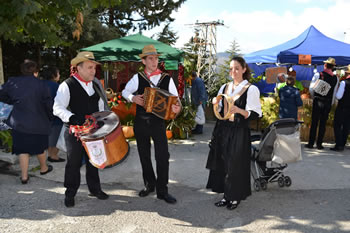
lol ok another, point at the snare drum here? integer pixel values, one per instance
(105, 145)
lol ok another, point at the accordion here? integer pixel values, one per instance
(159, 102)
(321, 87)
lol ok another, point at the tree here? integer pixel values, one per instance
(167, 36)
(37, 21)
(224, 69)
(138, 15)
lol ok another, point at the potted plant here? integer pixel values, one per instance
(183, 124)
(128, 126)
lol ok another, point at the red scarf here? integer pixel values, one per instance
(158, 71)
(80, 78)
(328, 71)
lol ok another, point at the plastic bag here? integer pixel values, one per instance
(287, 148)
(200, 116)
(61, 143)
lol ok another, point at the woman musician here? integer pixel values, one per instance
(230, 146)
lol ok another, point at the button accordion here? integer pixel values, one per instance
(159, 101)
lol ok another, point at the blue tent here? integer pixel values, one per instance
(310, 42)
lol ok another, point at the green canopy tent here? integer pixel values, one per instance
(123, 55)
(128, 49)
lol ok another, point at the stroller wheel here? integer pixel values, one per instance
(263, 184)
(257, 185)
(280, 182)
(287, 181)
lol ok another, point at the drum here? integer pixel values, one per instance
(105, 144)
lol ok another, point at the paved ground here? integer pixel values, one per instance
(317, 201)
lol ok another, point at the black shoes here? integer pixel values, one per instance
(232, 205)
(144, 192)
(49, 169)
(221, 203)
(167, 198)
(337, 148)
(55, 160)
(69, 202)
(100, 195)
(309, 146)
(24, 181)
(320, 147)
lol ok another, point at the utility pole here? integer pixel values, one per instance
(206, 43)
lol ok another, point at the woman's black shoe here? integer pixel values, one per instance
(24, 181)
(55, 160)
(221, 203)
(49, 169)
(232, 205)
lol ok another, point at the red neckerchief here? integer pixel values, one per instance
(80, 78)
(158, 71)
(328, 71)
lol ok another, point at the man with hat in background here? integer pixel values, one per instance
(342, 113)
(148, 125)
(322, 102)
(76, 97)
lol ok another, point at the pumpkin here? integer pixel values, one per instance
(128, 131)
(169, 134)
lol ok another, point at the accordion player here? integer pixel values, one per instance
(159, 101)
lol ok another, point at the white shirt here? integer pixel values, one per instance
(341, 90)
(133, 84)
(63, 97)
(253, 96)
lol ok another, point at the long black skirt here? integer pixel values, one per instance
(33, 144)
(229, 161)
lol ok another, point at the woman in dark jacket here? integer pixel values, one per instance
(289, 100)
(30, 116)
(51, 76)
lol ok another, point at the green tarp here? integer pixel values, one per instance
(128, 49)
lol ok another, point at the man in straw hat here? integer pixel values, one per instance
(342, 113)
(149, 126)
(76, 97)
(322, 102)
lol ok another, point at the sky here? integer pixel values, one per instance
(261, 24)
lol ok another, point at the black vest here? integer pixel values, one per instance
(164, 84)
(344, 102)
(80, 102)
(331, 80)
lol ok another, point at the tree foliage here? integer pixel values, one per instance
(167, 36)
(53, 31)
(136, 15)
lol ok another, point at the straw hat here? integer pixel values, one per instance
(348, 69)
(83, 56)
(149, 50)
(330, 60)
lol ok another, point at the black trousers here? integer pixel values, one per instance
(341, 126)
(147, 127)
(75, 153)
(320, 111)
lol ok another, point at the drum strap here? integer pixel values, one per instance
(100, 94)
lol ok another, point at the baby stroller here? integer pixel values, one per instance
(279, 145)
